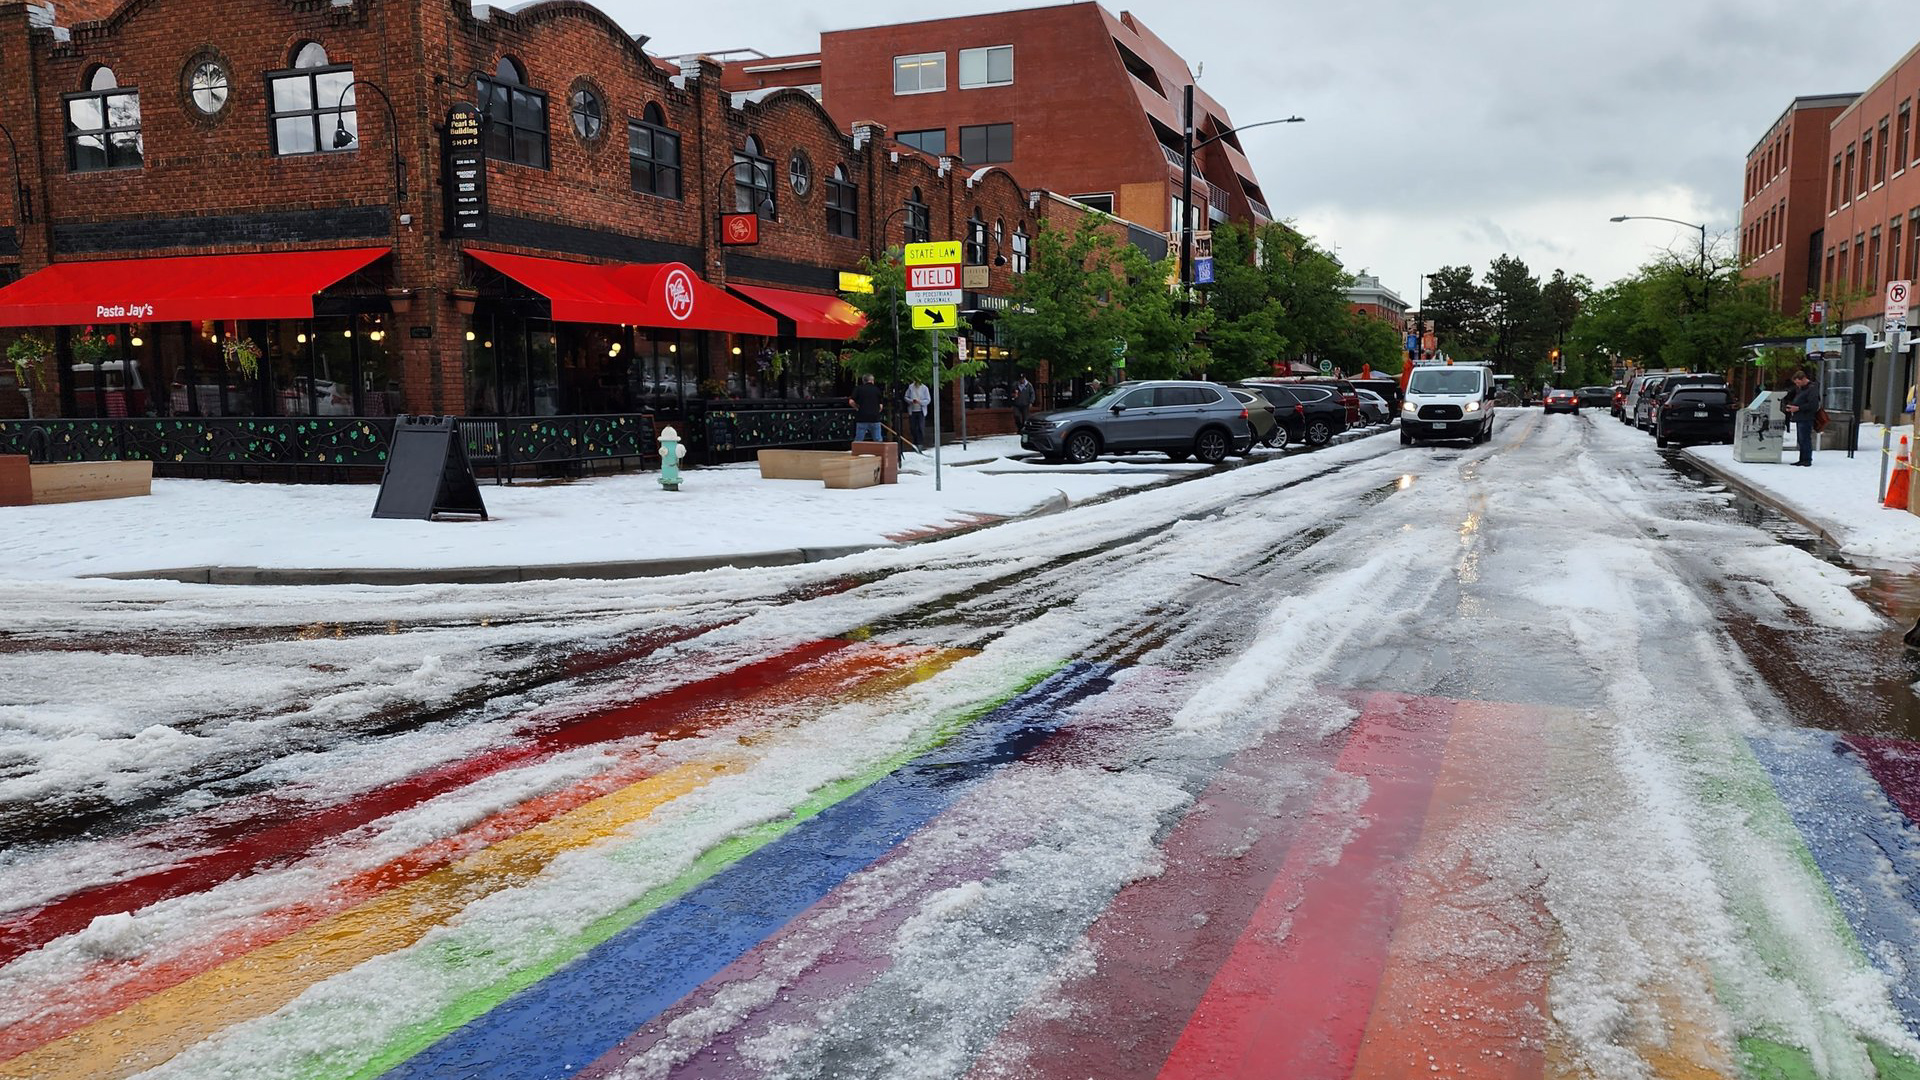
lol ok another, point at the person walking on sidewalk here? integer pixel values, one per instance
(1803, 407)
(866, 411)
(918, 399)
(1022, 401)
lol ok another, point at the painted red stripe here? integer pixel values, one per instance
(290, 835)
(1158, 945)
(1895, 766)
(1293, 998)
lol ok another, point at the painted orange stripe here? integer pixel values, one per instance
(149, 1032)
(1465, 989)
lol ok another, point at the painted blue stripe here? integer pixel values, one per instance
(1865, 848)
(566, 1021)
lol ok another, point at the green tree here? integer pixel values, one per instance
(1457, 307)
(1310, 289)
(1365, 340)
(1160, 337)
(1063, 310)
(1245, 336)
(1514, 317)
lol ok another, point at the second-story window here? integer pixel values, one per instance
(984, 144)
(991, 66)
(918, 227)
(583, 104)
(1020, 248)
(976, 252)
(753, 181)
(516, 116)
(653, 154)
(312, 103)
(843, 204)
(103, 125)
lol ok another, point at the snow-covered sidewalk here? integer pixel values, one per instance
(718, 513)
(1839, 496)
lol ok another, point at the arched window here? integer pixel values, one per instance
(843, 204)
(1020, 248)
(653, 154)
(312, 104)
(516, 116)
(753, 181)
(103, 125)
(918, 226)
(976, 252)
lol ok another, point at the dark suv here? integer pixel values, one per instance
(1178, 418)
(1310, 413)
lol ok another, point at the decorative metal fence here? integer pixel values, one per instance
(320, 447)
(740, 425)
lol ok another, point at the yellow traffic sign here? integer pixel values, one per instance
(862, 283)
(940, 251)
(938, 317)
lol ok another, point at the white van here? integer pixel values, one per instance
(1448, 401)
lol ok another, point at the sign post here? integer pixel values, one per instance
(933, 292)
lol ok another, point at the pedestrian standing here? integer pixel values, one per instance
(1022, 401)
(1803, 408)
(866, 411)
(918, 399)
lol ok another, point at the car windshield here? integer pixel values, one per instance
(1445, 381)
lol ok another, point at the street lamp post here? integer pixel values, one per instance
(22, 197)
(893, 308)
(342, 138)
(1705, 292)
(1186, 183)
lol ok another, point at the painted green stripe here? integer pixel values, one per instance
(1727, 772)
(711, 862)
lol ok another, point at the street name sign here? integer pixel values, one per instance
(935, 316)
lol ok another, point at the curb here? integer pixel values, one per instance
(1827, 531)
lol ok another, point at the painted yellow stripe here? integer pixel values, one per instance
(148, 1033)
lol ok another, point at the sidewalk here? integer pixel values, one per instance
(1839, 498)
(221, 532)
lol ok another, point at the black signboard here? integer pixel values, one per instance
(427, 472)
(464, 174)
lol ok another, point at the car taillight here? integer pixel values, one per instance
(1299, 409)
(1243, 414)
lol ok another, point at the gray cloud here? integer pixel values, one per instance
(1449, 133)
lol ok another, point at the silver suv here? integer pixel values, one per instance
(1178, 418)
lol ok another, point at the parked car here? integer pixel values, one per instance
(1260, 417)
(1595, 397)
(1657, 392)
(1636, 389)
(1695, 412)
(1647, 402)
(1566, 401)
(1452, 401)
(1344, 389)
(1176, 417)
(1373, 407)
(1386, 386)
(1309, 413)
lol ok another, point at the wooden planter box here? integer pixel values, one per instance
(22, 484)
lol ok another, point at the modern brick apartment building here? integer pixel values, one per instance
(288, 173)
(1784, 205)
(1072, 98)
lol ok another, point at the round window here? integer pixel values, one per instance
(587, 113)
(800, 173)
(207, 86)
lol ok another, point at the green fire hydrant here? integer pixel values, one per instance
(670, 454)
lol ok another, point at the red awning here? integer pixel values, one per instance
(814, 315)
(187, 288)
(667, 295)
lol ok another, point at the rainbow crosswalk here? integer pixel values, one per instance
(1327, 905)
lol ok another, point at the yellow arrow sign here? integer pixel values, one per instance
(939, 251)
(940, 317)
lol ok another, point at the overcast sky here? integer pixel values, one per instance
(1448, 133)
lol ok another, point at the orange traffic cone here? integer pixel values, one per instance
(1897, 487)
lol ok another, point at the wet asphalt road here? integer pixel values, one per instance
(1450, 760)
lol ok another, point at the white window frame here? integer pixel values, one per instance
(918, 59)
(985, 54)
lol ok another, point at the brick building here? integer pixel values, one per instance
(276, 172)
(1784, 204)
(1368, 297)
(1073, 98)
